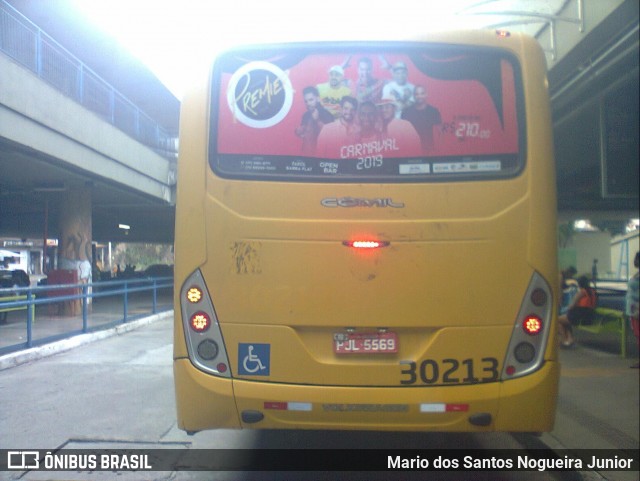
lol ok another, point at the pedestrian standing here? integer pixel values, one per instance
(632, 306)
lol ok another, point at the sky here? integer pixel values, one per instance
(177, 40)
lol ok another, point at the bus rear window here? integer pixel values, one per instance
(416, 113)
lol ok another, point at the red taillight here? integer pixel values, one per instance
(532, 325)
(200, 321)
(531, 330)
(365, 244)
(203, 335)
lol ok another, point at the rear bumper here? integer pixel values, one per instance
(208, 402)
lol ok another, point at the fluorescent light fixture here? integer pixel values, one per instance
(124, 226)
(584, 225)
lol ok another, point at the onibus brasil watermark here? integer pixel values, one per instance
(60, 461)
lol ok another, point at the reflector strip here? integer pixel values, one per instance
(443, 408)
(288, 406)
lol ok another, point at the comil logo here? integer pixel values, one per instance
(260, 94)
(358, 202)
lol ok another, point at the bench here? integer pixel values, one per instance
(5, 310)
(607, 320)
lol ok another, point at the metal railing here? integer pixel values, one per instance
(27, 44)
(103, 305)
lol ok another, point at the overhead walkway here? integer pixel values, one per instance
(63, 128)
(36, 115)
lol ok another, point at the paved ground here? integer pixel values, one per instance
(118, 392)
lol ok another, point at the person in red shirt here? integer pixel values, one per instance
(581, 309)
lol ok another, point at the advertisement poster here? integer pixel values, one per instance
(372, 113)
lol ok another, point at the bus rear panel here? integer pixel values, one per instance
(365, 239)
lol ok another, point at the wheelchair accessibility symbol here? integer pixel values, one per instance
(254, 359)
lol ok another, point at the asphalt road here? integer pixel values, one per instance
(118, 393)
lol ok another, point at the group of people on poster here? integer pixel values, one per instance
(347, 118)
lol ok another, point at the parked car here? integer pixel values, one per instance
(611, 298)
(159, 270)
(14, 278)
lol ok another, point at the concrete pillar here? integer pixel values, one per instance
(75, 239)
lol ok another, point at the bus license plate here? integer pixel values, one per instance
(365, 343)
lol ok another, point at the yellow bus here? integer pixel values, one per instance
(366, 238)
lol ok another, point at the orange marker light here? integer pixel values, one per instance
(194, 295)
